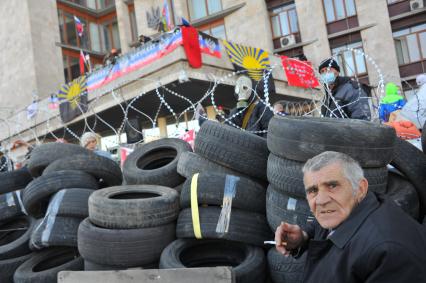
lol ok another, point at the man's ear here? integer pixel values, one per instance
(362, 189)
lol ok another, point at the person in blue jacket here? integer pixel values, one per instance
(391, 102)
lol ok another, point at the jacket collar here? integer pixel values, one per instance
(351, 225)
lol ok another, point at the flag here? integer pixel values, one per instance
(191, 44)
(78, 26)
(32, 110)
(254, 61)
(299, 73)
(81, 62)
(185, 22)
(209, 45)
(74, 99)
(53, 102)
(167, 25)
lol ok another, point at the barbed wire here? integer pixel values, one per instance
(162, 92)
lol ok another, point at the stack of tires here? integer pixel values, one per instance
(15, 225)
(294, 140)
(155, 163)
(57, 201)
(221, 173)
(128, 226)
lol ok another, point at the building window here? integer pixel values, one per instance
(94, 4)
(217, 30)
(284, 21)
(339, 9)
(111, 35)
(394, 1)
(203, 8)
(71, 67)
(410, 44)
(351, 62)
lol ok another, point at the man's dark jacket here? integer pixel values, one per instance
(377, 243)
(258, 121)
(350, 97)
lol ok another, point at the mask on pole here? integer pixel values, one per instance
(243, 91)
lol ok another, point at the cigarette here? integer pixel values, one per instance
(274, 243)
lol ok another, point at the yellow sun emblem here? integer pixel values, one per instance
(73, 90)
(254, 60)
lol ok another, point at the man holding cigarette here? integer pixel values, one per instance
(357, 236)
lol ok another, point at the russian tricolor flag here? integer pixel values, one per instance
(78, 26)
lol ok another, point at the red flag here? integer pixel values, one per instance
(191, 44)
(78, 26)
(299, 73)
(81, 62)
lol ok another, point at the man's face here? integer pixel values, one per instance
(330, 195)
(91, 144)
(278, 108)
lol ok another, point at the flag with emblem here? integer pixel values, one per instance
(255, 64)
(209, 45)
(73, 97)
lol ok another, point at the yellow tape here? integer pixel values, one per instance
(194, 207)
(247, 116)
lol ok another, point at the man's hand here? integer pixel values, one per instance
(288, 237)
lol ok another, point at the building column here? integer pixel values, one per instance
(211, 112)
(124, 26)
(313, 27)
(378, 41)
(253, 18)
(162, 125)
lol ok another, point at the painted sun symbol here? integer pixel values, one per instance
(72, 92)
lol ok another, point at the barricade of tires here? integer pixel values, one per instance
(15, 225)
(294, 140)
(222, 219)
(39, 223)
(128, 226)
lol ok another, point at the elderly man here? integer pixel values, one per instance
(356, 236)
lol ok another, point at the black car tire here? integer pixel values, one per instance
(44, 154)
(156, 163)
(99, 167)
(133, 206)
(123, 247)
(45, 265)
(239, 150)
(246, 227)
(247, 262)
(37, 194)
(301, 138)
(249, 195)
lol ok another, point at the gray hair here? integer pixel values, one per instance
(351, 168)
(86, 137)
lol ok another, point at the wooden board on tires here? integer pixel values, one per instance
(182, 275)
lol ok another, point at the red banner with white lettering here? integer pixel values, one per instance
(299, 73)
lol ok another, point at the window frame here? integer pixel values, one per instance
(210, 26)
(419, 44)
(285, 8)
(342, 58)
(335, 11)
(206, 5)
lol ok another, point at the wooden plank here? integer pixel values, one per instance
(181, 275)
